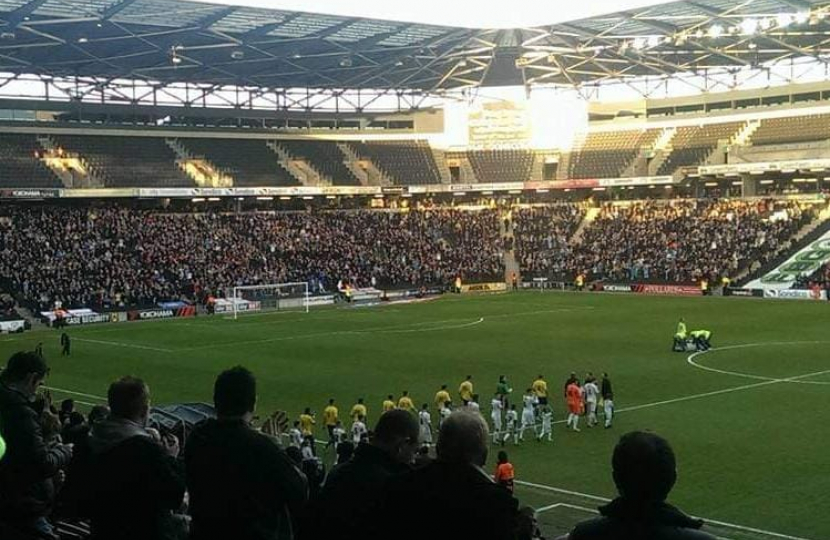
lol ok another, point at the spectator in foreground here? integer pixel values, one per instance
(348, 503)
(471, 503)
(29, 465)
(644, 471)
(242, 484)
(134, 482)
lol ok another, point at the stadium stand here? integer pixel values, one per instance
(692, 145)
(127, 161)
(20, 165)
(543, 235)
(792, 129)
(606, 154)
(502, 165)
(404, 162)
(133, 257)
(325, 157)
(248, 161)
(683, 241)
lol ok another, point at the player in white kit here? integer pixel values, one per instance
(512, 418)
(496, 407)
(547, 424)
(358, 430)
(591, 391)
(295, 436)
(444, 413)
(425, 425)
(529, 401)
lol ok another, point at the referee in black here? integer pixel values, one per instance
(66, 344)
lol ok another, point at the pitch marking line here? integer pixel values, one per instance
(121, 344)
(606, 500)
(691, 361)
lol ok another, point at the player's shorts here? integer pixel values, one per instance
(592, 406)
(528, 418)
(543, 401)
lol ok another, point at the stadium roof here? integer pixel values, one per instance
(180, 41)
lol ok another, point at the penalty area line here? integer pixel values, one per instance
(604, 500)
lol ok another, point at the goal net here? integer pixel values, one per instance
(264, 298)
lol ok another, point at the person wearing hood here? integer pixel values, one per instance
(644, 471)
(29, 464)
(135, 483)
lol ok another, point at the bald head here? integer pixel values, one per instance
(463, 439)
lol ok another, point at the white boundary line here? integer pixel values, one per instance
(691, 361)
(121, 344)
(606, 500)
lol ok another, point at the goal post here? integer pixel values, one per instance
(272, 297)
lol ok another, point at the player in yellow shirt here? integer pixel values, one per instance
(307, 423)
(441, 396)
(358, 410)
(389, 403)
(465, 390)
(330, 417)
(405, 402)
(540, 388)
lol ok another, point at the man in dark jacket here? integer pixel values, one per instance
(134, 482)
(242, 485)
(471, 504)
(28, 465)
(644, 472)
(348, 504)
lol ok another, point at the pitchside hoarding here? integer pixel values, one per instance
(804, 263)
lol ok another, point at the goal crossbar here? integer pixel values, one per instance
(247, 298)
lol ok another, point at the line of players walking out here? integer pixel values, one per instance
(582, 399)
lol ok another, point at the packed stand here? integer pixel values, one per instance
(543, 235)
(114, 257)
(684, 241)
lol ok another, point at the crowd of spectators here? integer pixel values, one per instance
(227, 479)
(684, 241)
(543, 237)
(118, 256)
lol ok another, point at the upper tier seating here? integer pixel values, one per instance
(693, 144)
(794, 129)
(127, 161)
(18, 165)
(250, 162)
(606, 154)
(325, 157)
(404, 162)
(501, 165)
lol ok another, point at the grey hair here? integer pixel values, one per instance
(463, 439)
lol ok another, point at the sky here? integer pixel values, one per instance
(473, 14)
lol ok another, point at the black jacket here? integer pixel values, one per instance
(28, 466)
(133, 485)
(471, 505)
(242, 485)
(624, 521)
(348, 504)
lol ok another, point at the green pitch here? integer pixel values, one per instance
(750, 437)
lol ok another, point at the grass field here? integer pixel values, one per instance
(747, 421)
